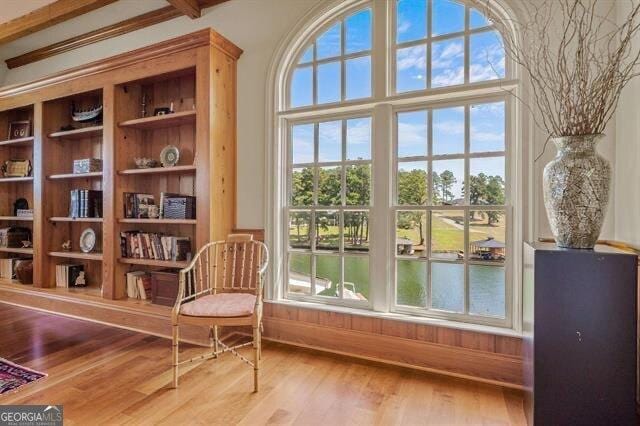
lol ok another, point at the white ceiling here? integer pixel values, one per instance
(15, 8)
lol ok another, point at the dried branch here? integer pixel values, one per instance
(577, 60)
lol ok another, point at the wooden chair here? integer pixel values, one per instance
(222, 286)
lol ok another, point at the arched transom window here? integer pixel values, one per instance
(396, 163)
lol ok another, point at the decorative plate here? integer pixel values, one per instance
(88, 240)
(169, 156)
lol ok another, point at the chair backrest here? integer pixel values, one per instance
(234, 265)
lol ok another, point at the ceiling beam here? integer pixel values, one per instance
(104, 33)
(191, 8)
(47, 16)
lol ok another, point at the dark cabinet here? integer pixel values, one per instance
(580, 325)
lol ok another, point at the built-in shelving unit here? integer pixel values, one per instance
(195, 73)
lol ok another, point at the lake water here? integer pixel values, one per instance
(486, 283)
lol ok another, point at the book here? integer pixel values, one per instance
(8, 268)
(132, 283)
(154, 246)
(144, 286)
(177, 206)
(70, 275)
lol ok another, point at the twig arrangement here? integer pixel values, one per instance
(577, 58)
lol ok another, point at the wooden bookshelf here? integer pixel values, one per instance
(82, 133)
(76, 255)
(92, 175)
(76, 219)
(160, 221)
(161, 121)
(16, 250)
(17, 218)
(197, 73)
(159, 170)
(16, 179)
(154, 263)
(18, 142)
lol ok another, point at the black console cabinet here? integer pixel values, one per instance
(580, 326)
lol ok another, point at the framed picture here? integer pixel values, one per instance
(19, 129)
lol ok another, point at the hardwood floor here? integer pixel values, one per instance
(105, 375)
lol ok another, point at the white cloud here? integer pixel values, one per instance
(412, 57)
(450, 127)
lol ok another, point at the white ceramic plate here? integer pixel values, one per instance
(88, 240)
(169, 156)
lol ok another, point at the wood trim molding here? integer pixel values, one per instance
(200, 38)
(47, 16)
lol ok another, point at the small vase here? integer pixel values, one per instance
(576, 191)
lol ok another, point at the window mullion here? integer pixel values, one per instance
(381, 258)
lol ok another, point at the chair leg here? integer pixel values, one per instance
(215, 337)
(256, 357)
(175, 344)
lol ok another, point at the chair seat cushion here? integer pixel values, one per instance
(221, 305)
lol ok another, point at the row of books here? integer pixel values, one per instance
(70, 275)
(172, 206)
(154, 246)
(139, 285)
(85, 203)
(8, 268)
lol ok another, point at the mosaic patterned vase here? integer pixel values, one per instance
(576, 191)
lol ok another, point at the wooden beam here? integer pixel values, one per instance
(104, 33)
(191, 8)
(123, 27)
(47, 16)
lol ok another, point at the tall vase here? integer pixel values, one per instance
(576, 191)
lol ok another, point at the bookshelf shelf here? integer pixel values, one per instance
(17, 142)
(160, 221)
(76, 219)
(76, 255)
(161, 121)
(150, 262)
(91, 175)
(83, 133)
(16, 179)
(17, 218)
(159, 170)
(17, 250)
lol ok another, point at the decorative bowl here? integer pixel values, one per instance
(145, 163)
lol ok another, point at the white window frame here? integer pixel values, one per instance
(382, 106)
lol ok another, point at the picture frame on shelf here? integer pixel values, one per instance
(16, 168)
(19, 129)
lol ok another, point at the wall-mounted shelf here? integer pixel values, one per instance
(17, 250)
(85, 132)
(149, 262)
(161, 221)
(91, 175)
(18, 142)
(159, 170)
(17, 218)
(161, 121)
(76, 255)
(76, 219)
(16, 179)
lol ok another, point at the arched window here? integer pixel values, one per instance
(394, 160)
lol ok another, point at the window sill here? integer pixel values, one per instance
(457, 325)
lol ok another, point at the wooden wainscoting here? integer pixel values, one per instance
(479, 356)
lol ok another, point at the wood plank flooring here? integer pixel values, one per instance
(105, 375)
